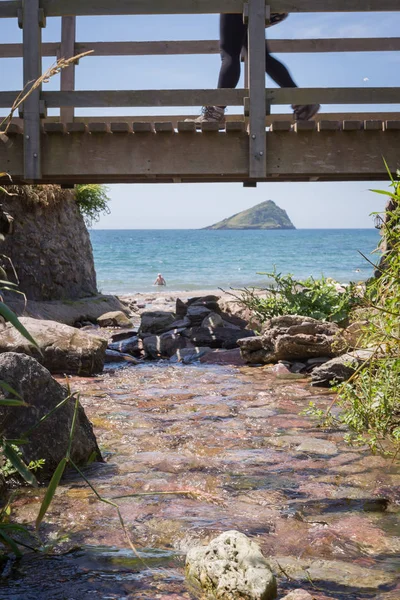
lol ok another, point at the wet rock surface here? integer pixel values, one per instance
(215, 448)
(293, 338)
(63, 349)
(339, 369)
(42, 394)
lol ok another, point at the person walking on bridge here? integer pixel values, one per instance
(233, 38)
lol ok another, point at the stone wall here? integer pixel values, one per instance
(50, 246)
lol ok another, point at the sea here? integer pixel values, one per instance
(128, 261)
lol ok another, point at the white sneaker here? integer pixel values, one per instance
(210, 114)
(305, 112)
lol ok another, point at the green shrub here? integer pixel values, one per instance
(92, 200)
(318, 298)
(370, 401)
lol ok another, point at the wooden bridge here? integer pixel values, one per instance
(254, 146)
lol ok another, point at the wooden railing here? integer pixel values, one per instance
(32, 14)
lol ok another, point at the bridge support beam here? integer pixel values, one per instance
(257, 104)
(327, 154)
(32, 21)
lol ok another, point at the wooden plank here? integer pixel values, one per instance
(329, 156)
(385, 95)
(32, 67)
(277, 126)
(141, 127)
(98, 128)
(373, 125)
(352, 125)
(120, 127)
(164, 127)
(210, 127)
(301, 126)
(392, 125)
(148, 48)
(256, 60)
(77, 127)
(235, 126)
(59, 8)
(9, 10)
(54, 128)
(186, 126)
(163, 48)
(68, 35)
(212, 46)
(223, 97)
(326, 125)
(144, 98)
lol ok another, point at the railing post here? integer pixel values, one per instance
(32, 21)
(68, 35)
(257, 102)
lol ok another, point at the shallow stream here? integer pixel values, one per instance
(214, 448)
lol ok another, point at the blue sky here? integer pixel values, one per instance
(310, 205)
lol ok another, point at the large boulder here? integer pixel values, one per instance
(339, 369)
(63, 349)
(42, 394)
(291, 338)
(231, 567)
(156, 321)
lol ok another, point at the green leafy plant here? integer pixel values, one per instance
(92, 200)
(318, 298)
(370, 401)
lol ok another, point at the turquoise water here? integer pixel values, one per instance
(128, 261)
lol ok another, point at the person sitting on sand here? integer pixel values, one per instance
(233, 37)
(160, 280)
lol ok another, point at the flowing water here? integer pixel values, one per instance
(214, 448)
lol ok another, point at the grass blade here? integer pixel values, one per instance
(73, 424)
(13, 319)
(27, 433)
(19, 465)
(10, 543)
(10, 390)
(51, 490)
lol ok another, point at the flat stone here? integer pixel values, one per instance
(114, 356)
(339, 369)
(298, 595)
(114, 319)
(332, 571)
(132, 345)
(224, 357)
(189, 355)
(318, 446)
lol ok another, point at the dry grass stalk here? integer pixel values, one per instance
(30, 87)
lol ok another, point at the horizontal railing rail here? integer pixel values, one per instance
(210, 47)
(222, 97)
(62, 8)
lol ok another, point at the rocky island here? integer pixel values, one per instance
(266, 215)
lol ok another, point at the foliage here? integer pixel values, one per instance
(318, 298)
(92, 200)
(370, 400)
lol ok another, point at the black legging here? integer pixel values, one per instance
(233, 37)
